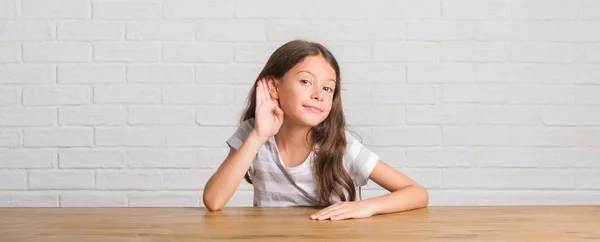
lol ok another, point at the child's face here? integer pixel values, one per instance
(306, 91)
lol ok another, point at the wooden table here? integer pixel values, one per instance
(538, 223)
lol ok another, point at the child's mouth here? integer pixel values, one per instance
(312, 109)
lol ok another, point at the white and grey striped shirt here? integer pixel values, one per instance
(273, 188)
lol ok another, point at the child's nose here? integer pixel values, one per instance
(318, 96)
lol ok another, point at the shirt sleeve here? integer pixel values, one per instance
(237, 139)
(359, 160)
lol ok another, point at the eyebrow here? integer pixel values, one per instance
(314, 75)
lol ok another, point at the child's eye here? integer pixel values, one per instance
(305, 82)
(327, 89)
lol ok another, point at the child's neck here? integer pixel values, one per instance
(292, 137)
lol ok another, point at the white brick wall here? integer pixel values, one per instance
(129, 103)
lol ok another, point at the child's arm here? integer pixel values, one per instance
(405, 194)
(221, 185)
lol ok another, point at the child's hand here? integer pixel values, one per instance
(268, 114)
(345, 210)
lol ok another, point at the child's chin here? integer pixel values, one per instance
(311, 121)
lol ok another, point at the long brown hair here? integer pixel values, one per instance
(329, 138)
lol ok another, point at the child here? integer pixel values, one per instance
(292, 145)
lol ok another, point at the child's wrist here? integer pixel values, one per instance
(370, 205)
(255, 137)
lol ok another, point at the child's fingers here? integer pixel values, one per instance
(259, 93)
(333, 213)
(341, 216)
(266, 94)
(325, 210)
(329, 212)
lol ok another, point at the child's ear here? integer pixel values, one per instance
(273, 86)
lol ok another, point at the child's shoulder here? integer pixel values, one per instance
(350, 136)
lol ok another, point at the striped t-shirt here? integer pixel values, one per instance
(276, 185)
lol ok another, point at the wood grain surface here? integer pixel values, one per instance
(515, 223)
